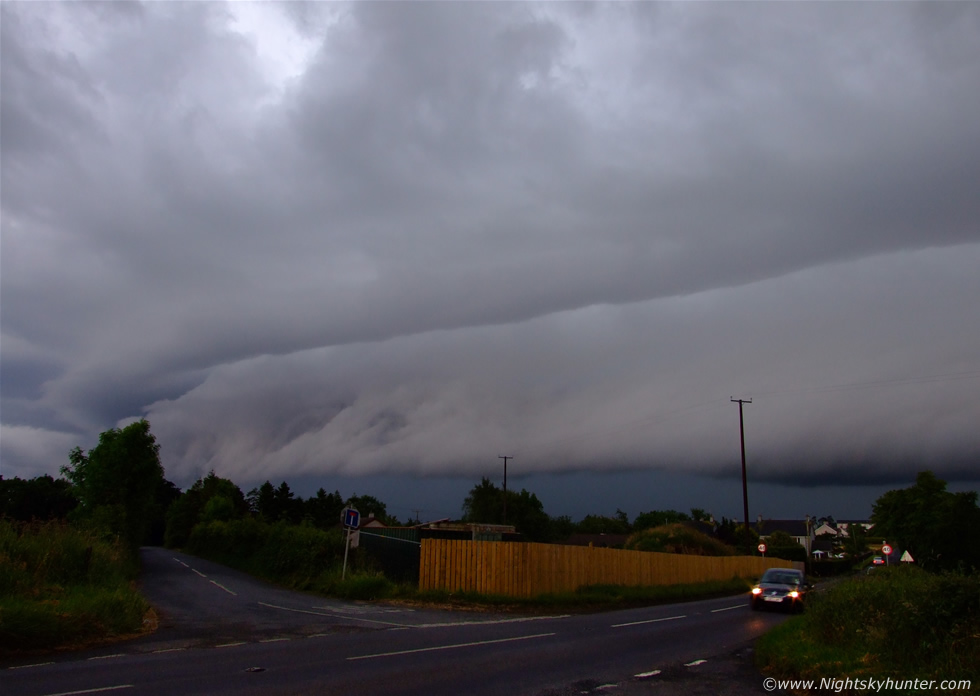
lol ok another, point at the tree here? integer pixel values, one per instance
(655, 518)
(117, 482)
(287, 507)
(41, 498)
(262, 501)
(368, 505)
(485, 505)
(210, 499)
(780, 544)
(600, 524)
(940, 529)
(323, 510)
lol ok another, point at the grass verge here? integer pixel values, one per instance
(62, 587)
(900, 622)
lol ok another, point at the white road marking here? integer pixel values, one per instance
(223, 587)
(737, 606)
(198, 572)
(318, 635)
(106, 657)
(647, 675)
(606, 686)
(491, 622)
(695, 663)
(273, 640)
(166, 650)
(37, 664)
(333, 616)
(229, 645)
(638, 623)
(181, 562)
(93, 691)
(449, 647)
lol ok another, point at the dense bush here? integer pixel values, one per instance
(296, 555)
(62, 586)
(678, 538)
(897, 621)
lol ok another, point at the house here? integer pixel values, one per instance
(845, 525)
(801, 530)
(826, 529)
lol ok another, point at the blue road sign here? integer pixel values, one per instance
(352, 518)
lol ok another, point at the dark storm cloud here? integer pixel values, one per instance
(398, 236)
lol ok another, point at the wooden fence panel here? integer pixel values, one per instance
(526, 569)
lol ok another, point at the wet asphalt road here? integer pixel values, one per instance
(221, 631)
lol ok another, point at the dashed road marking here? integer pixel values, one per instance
(230, 645)
(198, 572)
(449, 647)
(106, 657)
(649, 621)
(36, 664)
(166, 650)
(695, 663)
(737, 606)
(334, 616)
(93, 691)
(647, 675)
(223, 587)
(273, 640)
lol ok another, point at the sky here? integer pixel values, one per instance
(375, 246)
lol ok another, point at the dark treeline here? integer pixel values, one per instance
(119, 488)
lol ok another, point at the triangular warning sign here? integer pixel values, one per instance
(907, 558)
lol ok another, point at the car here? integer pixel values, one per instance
(780, 588)
(878, 560)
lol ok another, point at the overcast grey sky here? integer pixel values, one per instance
(326, 241)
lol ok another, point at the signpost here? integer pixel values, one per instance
(886, 550)
(762, 550)
(352, 520)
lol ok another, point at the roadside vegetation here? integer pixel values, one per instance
(678, 538)
(68, 556)
(899, 622)
(907, 621)
(62, 586)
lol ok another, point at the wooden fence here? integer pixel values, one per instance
(526, 570)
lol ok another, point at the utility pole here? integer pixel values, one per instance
(505, 484)
(741, 432)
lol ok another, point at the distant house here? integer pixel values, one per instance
(826, 529)
(844, 525)
(801, 530)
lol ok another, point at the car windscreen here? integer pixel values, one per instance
(781, 578)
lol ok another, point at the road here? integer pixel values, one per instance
(223, 632)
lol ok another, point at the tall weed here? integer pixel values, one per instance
(61, 586)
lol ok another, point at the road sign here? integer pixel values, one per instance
(907, 558)
(762, 548)
(887, 550)
(352, 518)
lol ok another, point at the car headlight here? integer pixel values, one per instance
(756, 590)
(794, 594)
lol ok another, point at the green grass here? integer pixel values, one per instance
(60, 587)
(898, 622)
